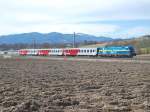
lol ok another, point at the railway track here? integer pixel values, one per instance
(91, 59)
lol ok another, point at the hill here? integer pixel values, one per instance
(53, 37)
(142, 43)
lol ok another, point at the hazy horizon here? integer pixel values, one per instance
(111, 18)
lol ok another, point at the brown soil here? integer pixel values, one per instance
(41, 85)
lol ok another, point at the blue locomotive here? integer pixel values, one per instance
(116, 51)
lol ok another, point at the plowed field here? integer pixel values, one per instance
(42, 85)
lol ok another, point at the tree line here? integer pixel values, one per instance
(18, 46)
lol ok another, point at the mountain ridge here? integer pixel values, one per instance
(52, 37)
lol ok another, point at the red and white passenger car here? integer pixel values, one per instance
(59, 52)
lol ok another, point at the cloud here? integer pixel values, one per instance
(130, 32)
(93, 29)
(99, 9)
(140, 30)
(68, 15)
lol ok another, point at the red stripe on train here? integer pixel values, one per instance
(71, 52)
(23, 52)
(43, 52)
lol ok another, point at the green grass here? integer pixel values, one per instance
(144, 50)
(93, 45)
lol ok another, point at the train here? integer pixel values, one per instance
(106, 51)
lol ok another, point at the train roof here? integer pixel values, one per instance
(123, 46)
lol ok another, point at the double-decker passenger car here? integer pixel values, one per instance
(80, 51)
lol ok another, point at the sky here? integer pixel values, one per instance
(112, 18)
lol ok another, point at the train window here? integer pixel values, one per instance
(84, 50)
(88, 51)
